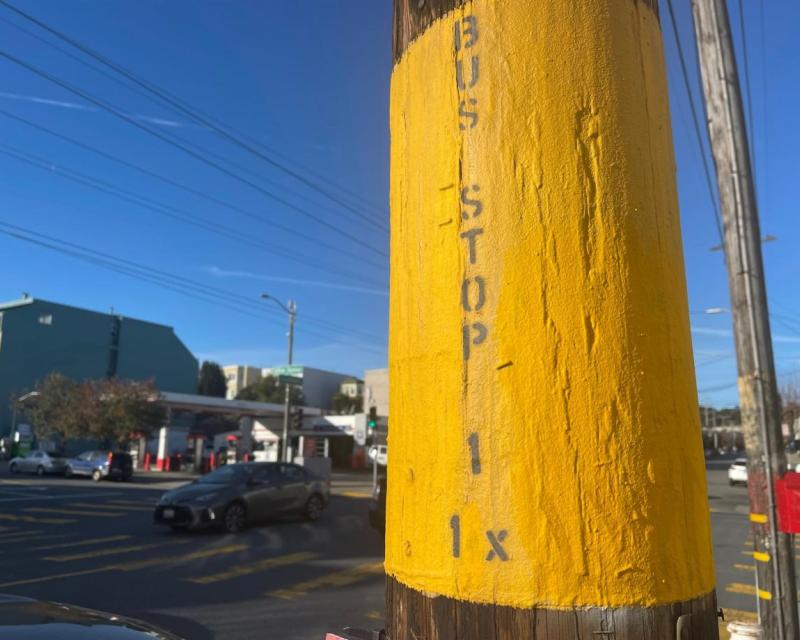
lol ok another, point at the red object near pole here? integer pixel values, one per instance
(787, 491)
(147, 461)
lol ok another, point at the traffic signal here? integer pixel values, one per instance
(297, 419)
(372, 421)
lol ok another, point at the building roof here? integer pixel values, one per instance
(27, 300)
(11, 304)
(210, 404)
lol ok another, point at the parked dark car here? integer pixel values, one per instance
(377, 506)
(97, 465)
(243, 493)
(27, 619)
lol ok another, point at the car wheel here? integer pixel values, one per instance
(13, 468)
(314, 508)
(235, 518)
(732, 483)
(97, 476)
(40, 470)
(68, 472)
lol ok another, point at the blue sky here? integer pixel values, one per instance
(310, 81)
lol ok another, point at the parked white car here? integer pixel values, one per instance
(38, 462)
(737, 472)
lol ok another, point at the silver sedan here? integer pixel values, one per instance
(38, 462)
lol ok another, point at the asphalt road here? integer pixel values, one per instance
(94, 545)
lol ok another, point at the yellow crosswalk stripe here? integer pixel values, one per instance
(21, 518)
(132, 566)
(354, 494)
(745, 567)
(81, 543)
(740, 587)
(736, 614)
(112, 551)
(336, 579)
(74, 512)
(18, 532)
(195, 555)
(253, 567)
(117, 507)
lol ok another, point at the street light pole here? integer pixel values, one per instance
(291, 310)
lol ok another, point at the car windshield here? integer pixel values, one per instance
(225, 475)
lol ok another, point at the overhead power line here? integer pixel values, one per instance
(148, 96)
(196, 114)
(751, 129)
(174, 213)
(186, 286)
(125, 117)
(188, 189)
(695, 119)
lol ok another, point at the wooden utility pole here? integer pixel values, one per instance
(758, 390)
(547, 477)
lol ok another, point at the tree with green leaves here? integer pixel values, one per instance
(56, 410)
(116, 409)
(110, 410)
(343, 404)
(269, 389)
(211, 381)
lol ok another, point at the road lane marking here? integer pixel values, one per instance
(253, 567)
(745, 567)
(73, 512)
(118, 507)
(20, 518)
(81, 543)
(132, 566)
(195, 555)
(72, 496)
(335, 579)
(736, 614)
(740, 587)
(112, 551)
(354, 494)
(17, 532)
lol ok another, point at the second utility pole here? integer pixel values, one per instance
(758, 391)
(287, 393)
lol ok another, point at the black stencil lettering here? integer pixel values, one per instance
(465, 303)
(470, 236)
(455, 525)
(464, 113)
(468, 340)
(471, 202)
(460, 74)
(497, 549)
(475, 453)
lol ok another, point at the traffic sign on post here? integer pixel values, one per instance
(290, 380)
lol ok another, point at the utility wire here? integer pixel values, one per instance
(158, 276)
(172, 212)
(195, 114)
(191, 190)
(696, 120)
(136, 90)
(751, 130)
(125, 117)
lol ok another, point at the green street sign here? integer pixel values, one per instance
(294, 380)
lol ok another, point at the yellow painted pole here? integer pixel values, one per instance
(546, 457)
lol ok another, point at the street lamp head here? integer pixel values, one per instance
(265, 296)
(713, 311)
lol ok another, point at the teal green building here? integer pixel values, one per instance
(38, 337)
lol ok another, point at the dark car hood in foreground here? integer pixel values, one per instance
(192, 490)
(26, 619)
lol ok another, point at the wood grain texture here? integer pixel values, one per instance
(412, 17)
(412, 615)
